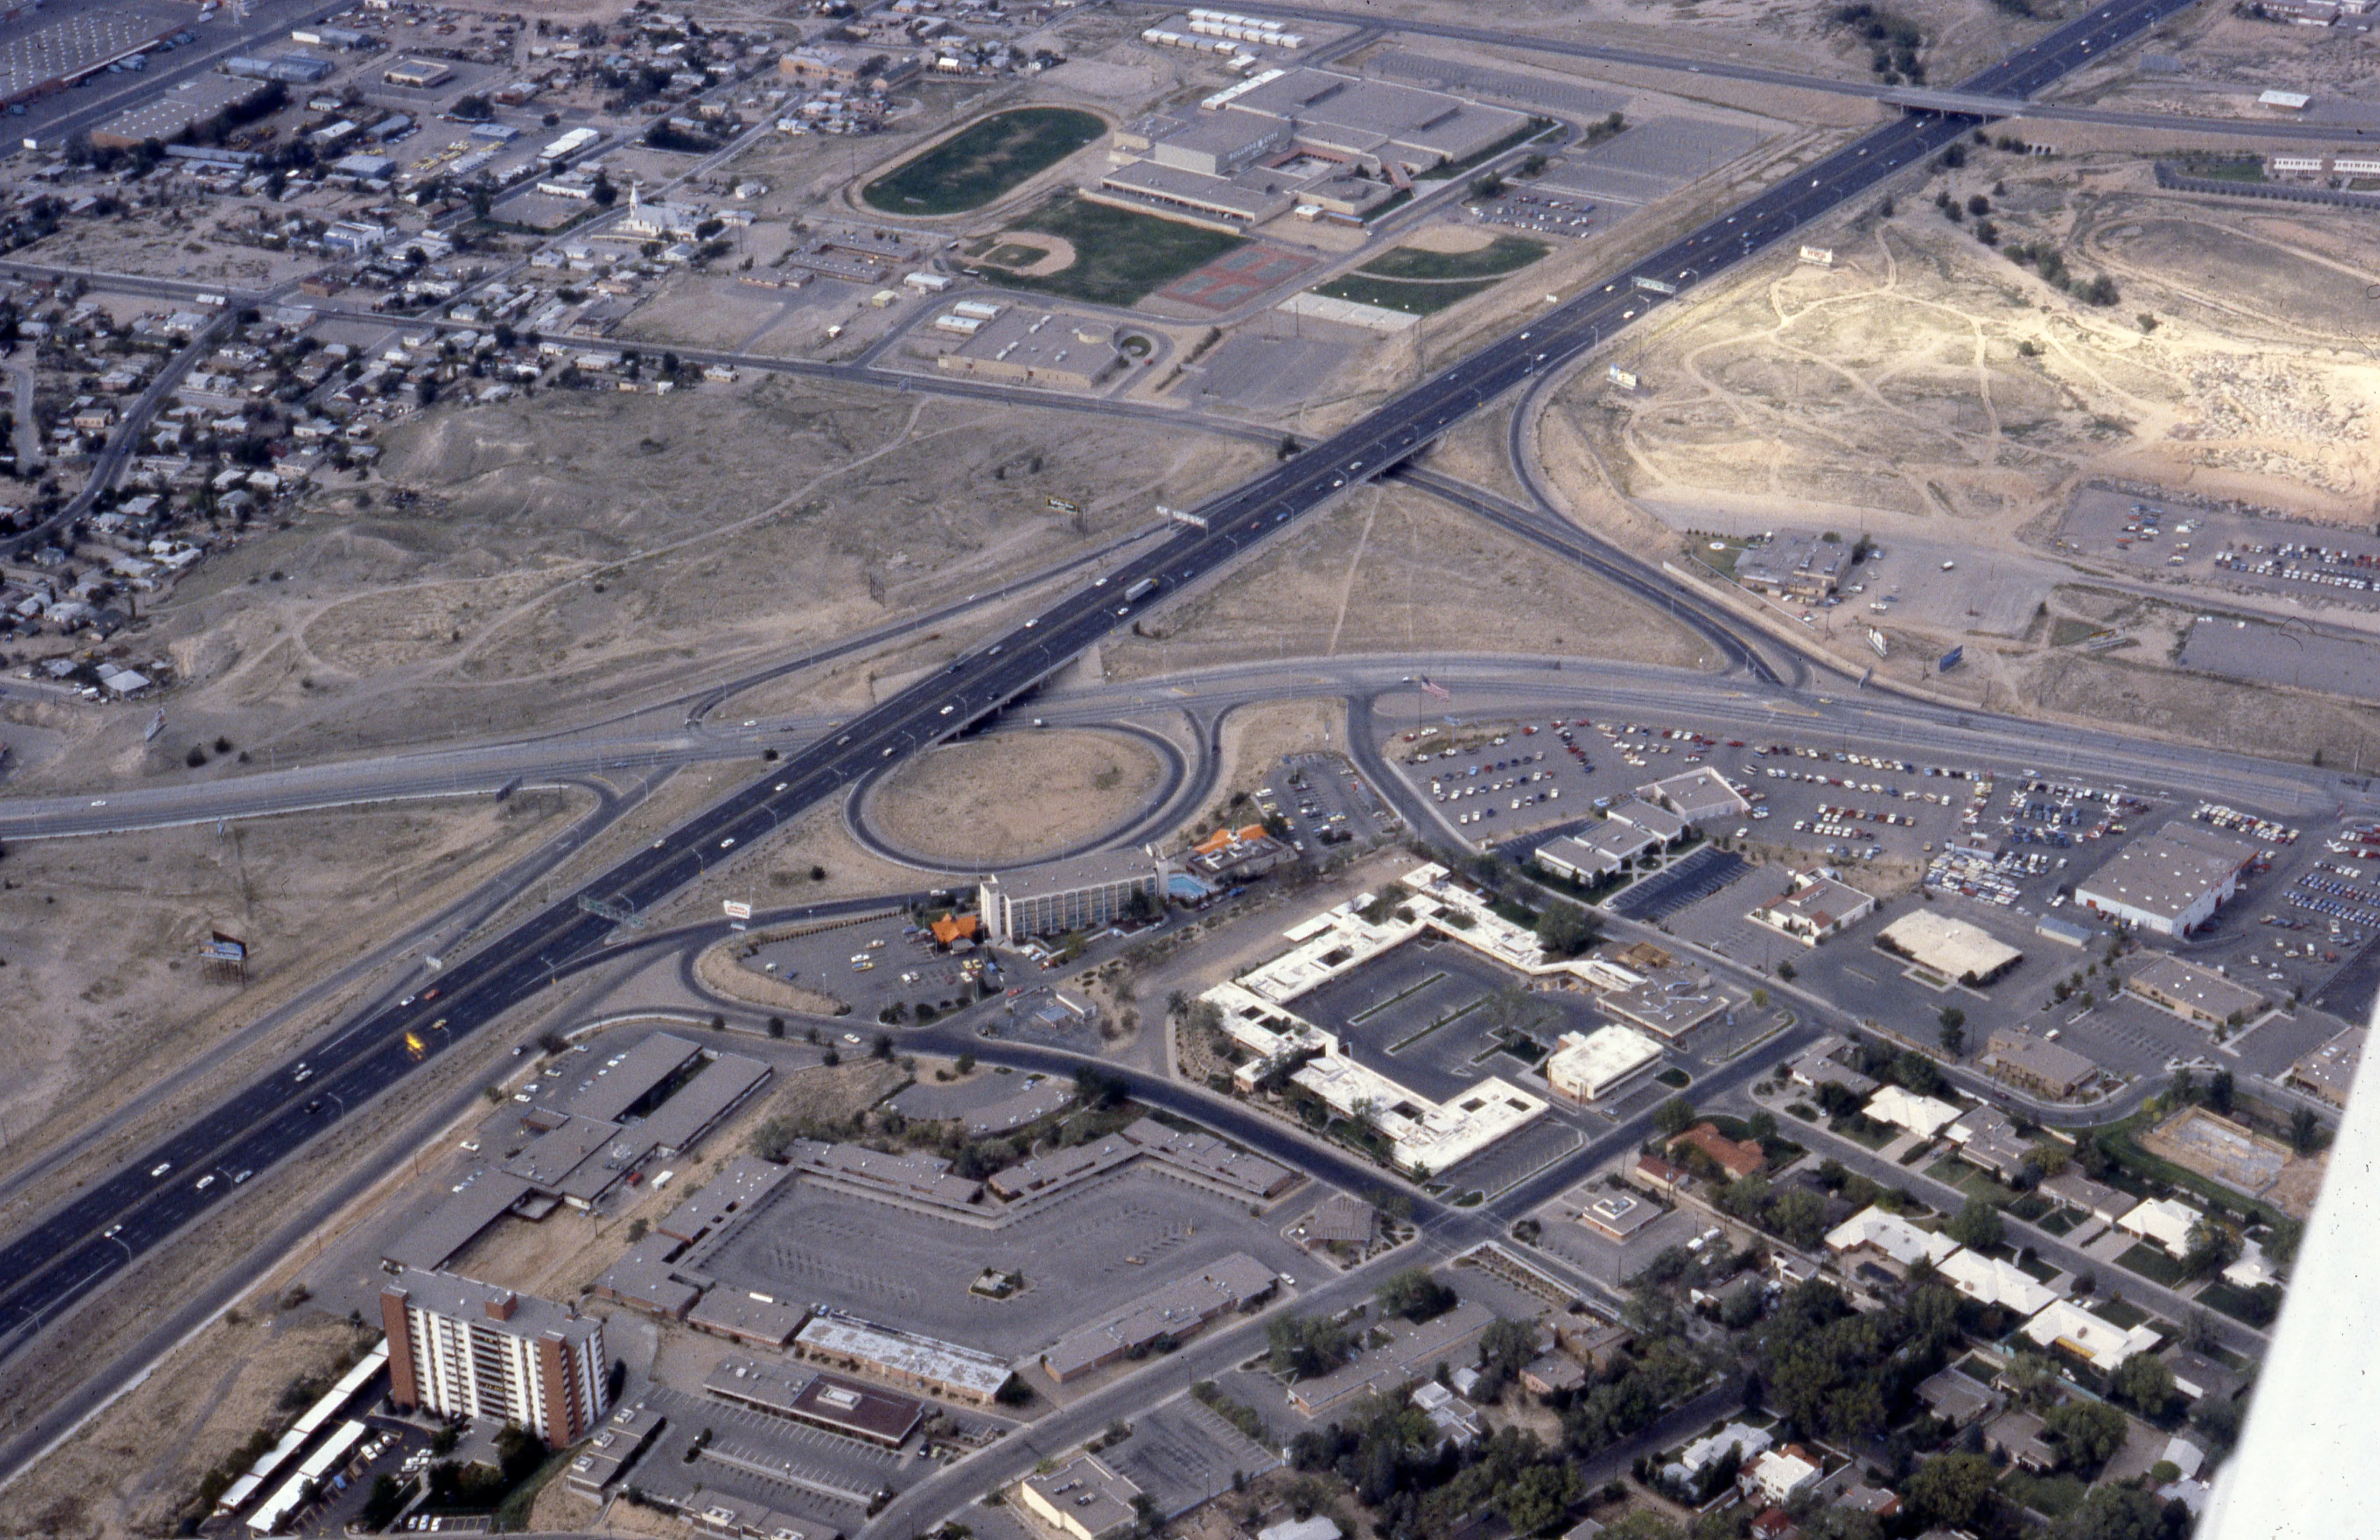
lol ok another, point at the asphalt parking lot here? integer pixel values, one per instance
(1325, 802)
(1691, 878)
(872, 965)
(2229, 547)
(1182, 1453)
(1420, 1015)
(1607, 1261)
(803, 1471)
(1084, 1260)
(1512, 1160)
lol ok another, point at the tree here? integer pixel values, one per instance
(1643, 1523)
(1953, 1491)
(1976, 1225)
(1305, 1345)
(2120, 1513)
(1674, 1116)
(2213, 1246)
(1917, 1073)
(2219, 1093)
(1507, 1345)
(2088, 1433)
(2282, 1242)
(386, 1498)
(1800, 1216)
(1842, 1523)
(1564, 929)
(2306, 1130)
(1414, 1295)
(2148, 1384)
(1488, 184)
(1536, 1499)
(1954, 1030)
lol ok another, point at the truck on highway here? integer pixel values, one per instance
(1141, 589)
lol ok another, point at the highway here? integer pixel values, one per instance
(1998, 99)
(109, 1225)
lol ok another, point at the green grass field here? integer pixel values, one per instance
(2236, 1303)
(1119, 255)
(1418, 299)
(986, 160)
(1508, 254)
(2151, 1262)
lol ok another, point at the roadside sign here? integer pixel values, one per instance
(1064, 506)
(1819, 256)
(1623, 378)
(1655, 286)
(736, 909)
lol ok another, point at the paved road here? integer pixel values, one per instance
(107, 1227)
(1981, 97)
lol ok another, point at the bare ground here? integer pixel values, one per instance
(1393, 570)
(133, 1472)
(1013, 797)
(105, 980)
(574, 553)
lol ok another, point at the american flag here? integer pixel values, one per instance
(1436, 692)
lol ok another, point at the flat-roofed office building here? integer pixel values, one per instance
(1065, 896)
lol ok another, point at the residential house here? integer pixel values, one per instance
(1737, 1158)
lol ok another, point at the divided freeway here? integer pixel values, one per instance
(109, 1226)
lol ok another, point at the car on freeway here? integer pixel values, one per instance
(160, 1169)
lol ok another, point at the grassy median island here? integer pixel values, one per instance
(983, 161)
(1505, 254)
(1119, 255)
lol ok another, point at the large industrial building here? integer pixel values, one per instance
(465, 1348)
(1081, 895)
(1310, 139)
(1954, 949)
(188, 105)
(1033, 348)
(2170, 882)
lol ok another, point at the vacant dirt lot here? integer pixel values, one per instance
(1931, 390)
(132, 1471)
(1393, 570)
(572, 555)
(1013, 797)
(1931, 376)
(103, 979)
